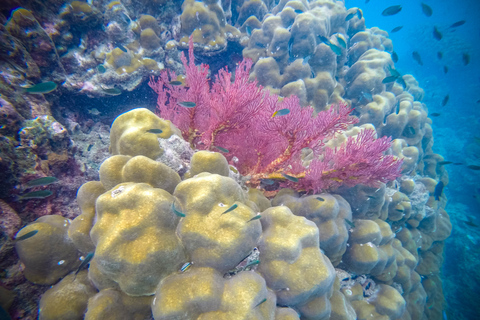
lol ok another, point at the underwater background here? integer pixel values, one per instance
(69, 69)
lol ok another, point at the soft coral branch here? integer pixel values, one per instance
(237, 115)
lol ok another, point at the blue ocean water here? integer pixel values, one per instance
(455, 130)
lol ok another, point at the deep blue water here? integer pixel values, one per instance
(454, 130)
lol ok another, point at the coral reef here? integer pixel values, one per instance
(215, 211)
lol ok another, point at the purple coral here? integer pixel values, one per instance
(237, 115)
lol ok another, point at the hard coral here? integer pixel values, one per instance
(238, 116)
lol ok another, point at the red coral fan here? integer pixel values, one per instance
(237, 115)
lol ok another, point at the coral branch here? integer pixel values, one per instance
(238, 115)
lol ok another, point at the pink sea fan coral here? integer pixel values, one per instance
(237, 116)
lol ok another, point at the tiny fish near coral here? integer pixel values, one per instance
(178, 213)
(437, 193)
(187, 104)
(41, 194)
(255, 218)
(222, 149)
(233, 207)
(281, 112)
(427, 10)
(41, 88)
(390, 11)
(26, 235)
(84, 263)
(155, 131)
(41, 182)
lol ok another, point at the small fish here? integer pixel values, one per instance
(465, 58)
(390, 11)
(45, 181)
(286, 176)
(281, 112)
(443, 163)
(394, 57)
(261, 302)
(252, 263)
(416, 57)
(178, 213)
(41, 88)
(439, 55)
(350, 223)
(249, 30)
(370, 197)
(26, 235)
(389, 79)
(224, 150)
(290, 46)
(186, 266)
(435, 114)
(445, 69)
(155, 131)
(427, 10)
(112, 91)
(341, 42)
(255, 218)
(233, 207)
(473, 167)
(268, 182)
(366, 95)
(101, 68)
(119, 46)
(396, 29)
(350, 16)
(394, 72)
(437, 193)
(445, 100)
(90, 146)
(336, 49)
(437, 34)
(324, 40)
(175, 83)
(93, 112)
(187, 104)
(42, 194)
(84, 263)
(320, 199)
(458, 24)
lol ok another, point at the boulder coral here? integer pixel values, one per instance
(201, 245)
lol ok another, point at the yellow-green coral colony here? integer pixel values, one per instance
(294, 234)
